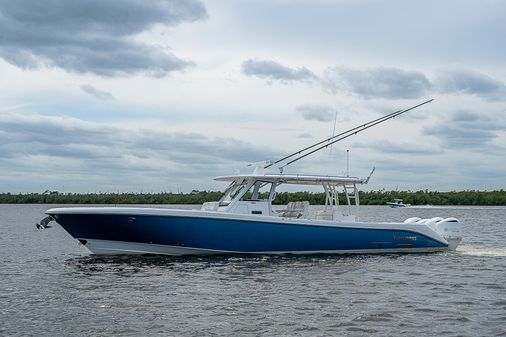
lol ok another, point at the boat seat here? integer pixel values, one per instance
(295, 209)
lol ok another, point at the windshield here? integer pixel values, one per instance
(231, 192)
(259, 191)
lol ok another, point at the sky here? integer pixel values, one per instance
(165, 95)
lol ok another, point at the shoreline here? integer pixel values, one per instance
(418, 198)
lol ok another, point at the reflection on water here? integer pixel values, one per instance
(127, 265)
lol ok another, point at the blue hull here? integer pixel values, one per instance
(240, 236)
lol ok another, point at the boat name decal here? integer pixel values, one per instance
(405, 238)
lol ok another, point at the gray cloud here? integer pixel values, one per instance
(316, 112)
(404, 170)
(99, 140)
(382, 82)
(95, 36)
(470, 82)
(467, 130)
(305, 135)
(61, 146)
(392, 173)
(97, 93)
(378, 82)
(388, 147)
(271, 70)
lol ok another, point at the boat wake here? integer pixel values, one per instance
(481, 251)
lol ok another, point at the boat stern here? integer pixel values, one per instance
(449, 229)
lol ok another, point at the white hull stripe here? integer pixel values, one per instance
(108, 247)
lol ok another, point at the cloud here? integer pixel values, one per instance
(378, 82)
(405, 170)
(467, 130)
(97, 93)
(49, 152)
(315, 112)
(95, 36)
(305, 135)
(471, 82)
(55, 146)
(388, 147)
(382, 82)
(271, 70)
(53, 134)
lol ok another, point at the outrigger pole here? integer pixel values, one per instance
(342, 135)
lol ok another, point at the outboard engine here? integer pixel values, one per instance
(449, 228)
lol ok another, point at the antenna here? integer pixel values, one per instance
(343, 135)
(347, 163)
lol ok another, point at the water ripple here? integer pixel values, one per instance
(50, 286)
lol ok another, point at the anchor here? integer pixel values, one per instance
(44, 223)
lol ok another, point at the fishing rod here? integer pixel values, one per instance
(344, 135)
(329, 139)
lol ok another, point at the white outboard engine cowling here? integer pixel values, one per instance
(449, 228)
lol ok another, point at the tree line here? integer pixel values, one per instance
(486, 198)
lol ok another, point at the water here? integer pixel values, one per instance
(49, 286)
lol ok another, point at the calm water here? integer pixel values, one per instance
(49, 286)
